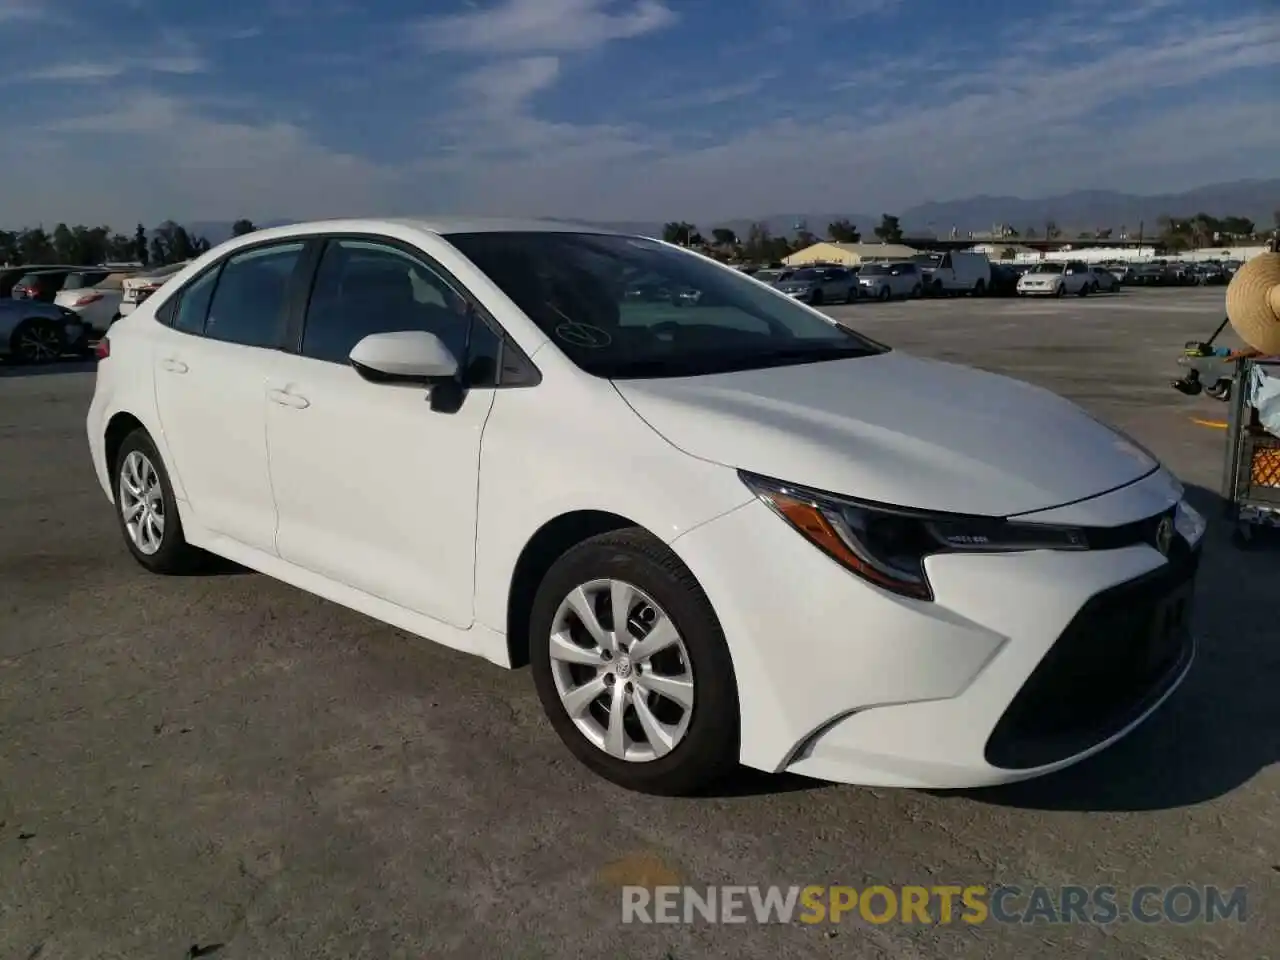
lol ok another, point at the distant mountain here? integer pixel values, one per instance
(1089, 209)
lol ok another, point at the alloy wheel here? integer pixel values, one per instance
(141, 501)
(38, 343)
(621, 670)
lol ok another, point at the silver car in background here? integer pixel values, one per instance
(888, 281)
(818, 285)
(32, 332)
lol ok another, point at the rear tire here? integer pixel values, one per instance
(980, 288)
(703, 745)
(139, 477)
(816, 299)
(37, 341)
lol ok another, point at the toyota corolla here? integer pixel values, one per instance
(728, 531)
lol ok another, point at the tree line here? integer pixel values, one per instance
(761, 244)
(82, 245)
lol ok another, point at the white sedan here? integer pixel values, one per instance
(1057, 279)
(729, 532)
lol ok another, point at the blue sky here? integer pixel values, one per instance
(124, 110)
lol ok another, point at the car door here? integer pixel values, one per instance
(376, 489)
(219, 338)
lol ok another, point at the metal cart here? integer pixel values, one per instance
(1251, 474)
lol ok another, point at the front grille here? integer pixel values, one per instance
(1117, 657)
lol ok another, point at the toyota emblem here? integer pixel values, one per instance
(1164, 535)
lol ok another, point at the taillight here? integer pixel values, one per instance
(102, 349)
(88, 299)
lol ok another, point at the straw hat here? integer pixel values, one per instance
(1253, 303)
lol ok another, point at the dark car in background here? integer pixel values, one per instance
(1004, 280)
(9, 276)
(41, 284)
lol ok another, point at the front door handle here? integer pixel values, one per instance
(173, 365)
(287, 399)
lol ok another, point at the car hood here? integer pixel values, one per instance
(895, 429)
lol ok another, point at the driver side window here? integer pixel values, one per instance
(364, 287)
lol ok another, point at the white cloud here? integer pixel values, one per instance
(153, 156)
(516, 26)
(170, 53)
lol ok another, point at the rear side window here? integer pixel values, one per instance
(193, 303)
(252, 290)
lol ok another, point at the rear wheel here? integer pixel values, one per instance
(816, 299)
(980, 288)
(37, 341)
(631, 665)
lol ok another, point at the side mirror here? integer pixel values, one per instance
(404, 356)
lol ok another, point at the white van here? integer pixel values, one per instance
(957, 272)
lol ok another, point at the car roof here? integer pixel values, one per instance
(428, 224)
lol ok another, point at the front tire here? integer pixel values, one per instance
(652, 706)
(917, 291)
(885, 295)
(146, 508)
(980, 288)
(37, 341)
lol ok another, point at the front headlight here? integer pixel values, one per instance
(887, 546)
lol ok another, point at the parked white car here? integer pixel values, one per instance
(956, 272)
(733, 531)
(1056, 279)
(94, 297)
(887, 281)
(141, 285)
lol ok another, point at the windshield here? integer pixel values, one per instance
(874, 270)
(770, 276)
(804, 276)
(1047, 268)
(574, 287)
(928, 259)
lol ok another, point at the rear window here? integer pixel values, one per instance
(84, 278)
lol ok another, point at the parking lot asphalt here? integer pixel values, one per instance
(222, 765)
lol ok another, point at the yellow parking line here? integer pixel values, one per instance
(1216, 424)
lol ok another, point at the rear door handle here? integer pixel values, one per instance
(174, 366)
(287, 399)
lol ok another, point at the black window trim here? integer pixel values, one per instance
(527, 374)
(167, 312)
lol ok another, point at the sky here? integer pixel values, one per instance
(120, 111)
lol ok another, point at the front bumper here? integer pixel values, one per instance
(844, 682)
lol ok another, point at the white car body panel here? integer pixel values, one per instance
(895, 429)
(366, 496)
(96, 306)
